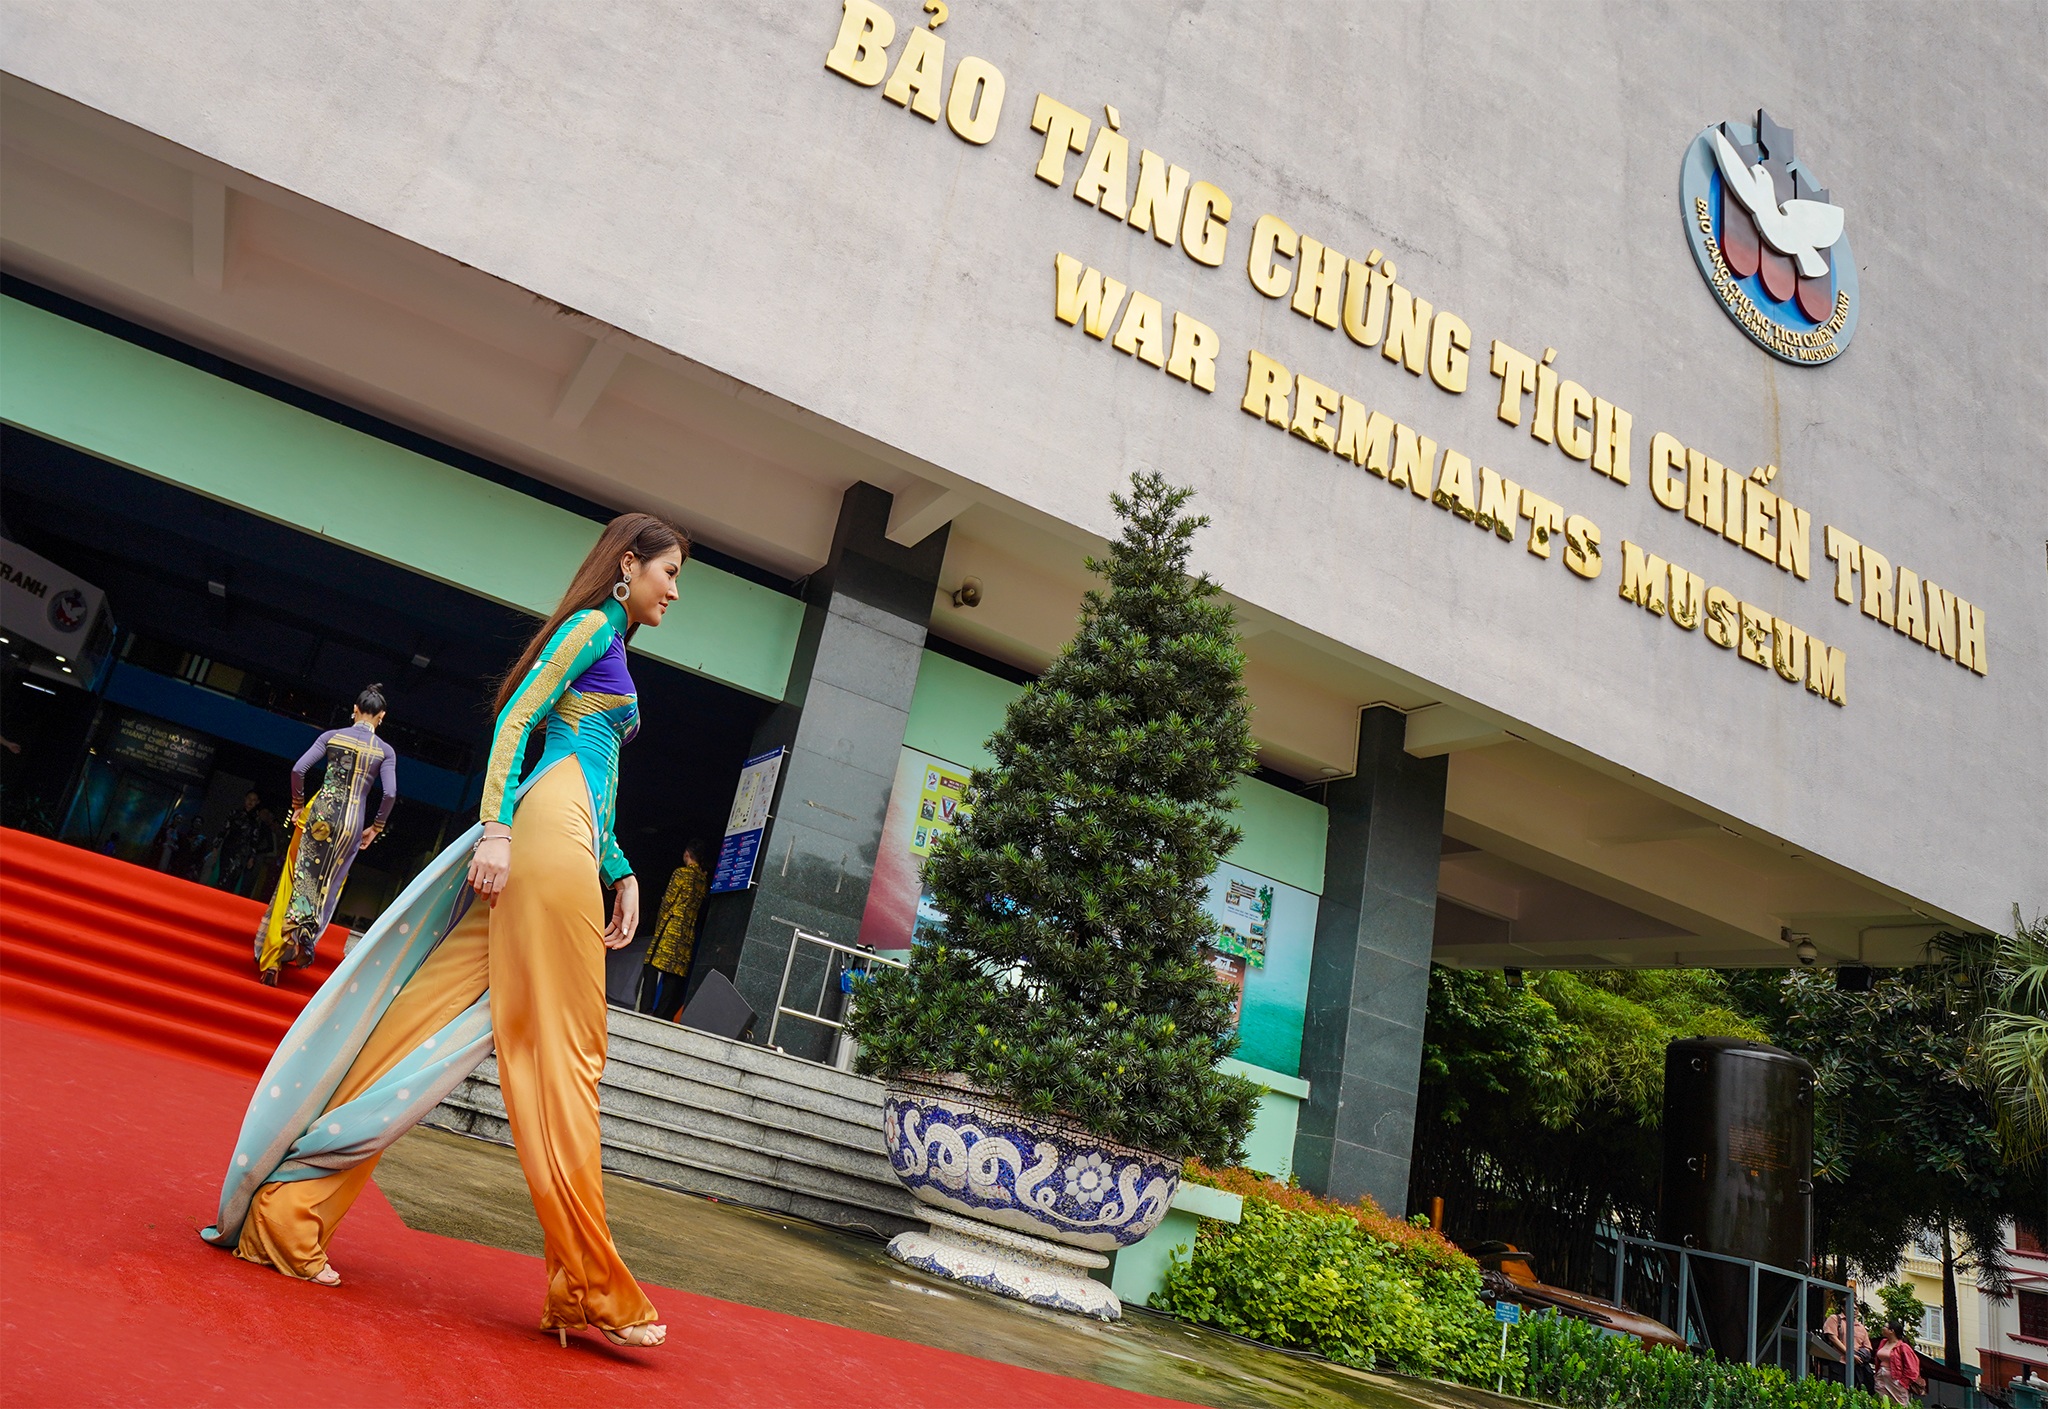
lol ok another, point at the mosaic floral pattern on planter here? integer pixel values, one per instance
(956, 1150)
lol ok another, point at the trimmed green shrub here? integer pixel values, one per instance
(1318, 1281)
(1310, 1275)
(1419, 1243)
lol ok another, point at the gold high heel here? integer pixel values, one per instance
(618, 1338)
(660, 1332)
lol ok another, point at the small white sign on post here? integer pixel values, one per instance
(1508, 1314)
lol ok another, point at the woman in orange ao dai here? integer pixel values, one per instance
(437, 980)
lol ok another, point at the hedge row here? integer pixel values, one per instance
(1571, 1363)
(1365, 1289)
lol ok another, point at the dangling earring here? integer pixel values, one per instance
(622, 589)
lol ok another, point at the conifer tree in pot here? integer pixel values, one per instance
(1053, 1058)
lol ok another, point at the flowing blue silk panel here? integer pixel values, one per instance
(288, 1133)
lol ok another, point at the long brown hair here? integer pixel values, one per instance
(642, 535)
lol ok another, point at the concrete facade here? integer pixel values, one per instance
(700, 180)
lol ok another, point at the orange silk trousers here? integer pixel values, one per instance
(540, 951)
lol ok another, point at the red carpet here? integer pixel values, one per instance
(110, 1161)
(99, 944)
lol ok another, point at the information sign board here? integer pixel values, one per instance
(740, 853)
(161, 748)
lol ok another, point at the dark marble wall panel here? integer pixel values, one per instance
(842, 720)
(1368, 992)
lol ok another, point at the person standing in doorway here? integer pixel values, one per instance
(439, 980)
(667, 969)
(241, 844)
(1898, 1366)
(270, 845)
(328, 833)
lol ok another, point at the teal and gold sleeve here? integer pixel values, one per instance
(573, 649)
(612, 864)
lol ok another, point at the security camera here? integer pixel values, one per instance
(1807, 953)
(968, 593)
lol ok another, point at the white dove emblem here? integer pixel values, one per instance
(1802, 229)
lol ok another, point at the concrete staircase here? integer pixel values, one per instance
(687, 1110)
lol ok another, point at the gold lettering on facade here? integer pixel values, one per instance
(1192, 357)
(974, 104)
(1365, 298)
(1319, 287)
(1084, 296)
(918, 75)
(1205, 232)
(1666, 456)
(1161, 197)
(1273, 239)
(1582, 546)
(860, 52)
(1267, 386)
(1065, 131)
(1643, 579)
(1450, 361)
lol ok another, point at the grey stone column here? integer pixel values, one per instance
(842, 719)
(1368, 985)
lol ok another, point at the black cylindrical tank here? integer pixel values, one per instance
(1738, 1168)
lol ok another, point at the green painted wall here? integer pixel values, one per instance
(137, 408)
(956, 708)
(1284, 835)
(1269, 1148)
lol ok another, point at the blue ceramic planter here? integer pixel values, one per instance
(958, 1149)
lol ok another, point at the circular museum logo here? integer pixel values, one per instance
(1768, 241)
(67, 610)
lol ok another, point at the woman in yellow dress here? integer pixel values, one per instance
(437, 980)
(667, 967)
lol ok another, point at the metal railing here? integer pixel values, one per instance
(840, 961)
(1679, 1306)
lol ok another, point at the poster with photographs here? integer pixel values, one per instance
(1247, 915)
(940, 807)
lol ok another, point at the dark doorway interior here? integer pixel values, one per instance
(234, 623)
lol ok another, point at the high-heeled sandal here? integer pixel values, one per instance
(655, 1329)
(325, 1277)
(622, 1338)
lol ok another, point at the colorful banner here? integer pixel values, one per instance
(1267, 934)
(897, 903)
(941, 807)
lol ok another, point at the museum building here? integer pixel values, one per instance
(1616, 588)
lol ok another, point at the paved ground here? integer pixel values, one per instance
(462, 1188)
